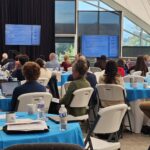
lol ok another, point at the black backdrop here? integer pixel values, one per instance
(39, 12)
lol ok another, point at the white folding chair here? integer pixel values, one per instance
(98, 74)
(33, 98)
(134, 77)
(108, 121)
(136, 73)
(81, 99)
(95, 69)
(43, 81)
(112, 94)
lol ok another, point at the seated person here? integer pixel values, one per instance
(66, 63)
(91, 78)
(121, 67)
(31, 72)
(101, 62)
(17, 73)
(79, 70)
(111, 76)
(53, 62)
(44, 72)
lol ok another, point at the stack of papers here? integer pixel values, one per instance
(27, 125)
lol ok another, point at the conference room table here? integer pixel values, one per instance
(72, 135)
(134, 97)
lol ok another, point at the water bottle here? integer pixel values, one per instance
(63, 118)
(41, 109)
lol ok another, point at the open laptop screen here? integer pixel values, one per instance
(8, 88)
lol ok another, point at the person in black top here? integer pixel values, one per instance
(101, 62)
(31, 71)
(17, 73)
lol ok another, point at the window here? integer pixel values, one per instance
(64, 46)
(65, 16)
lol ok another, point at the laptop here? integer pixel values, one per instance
(7, 88)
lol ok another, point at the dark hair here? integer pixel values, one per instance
(111, 71)
(121, 63)
(88, 64)
(31, 71)
(103, 57)
(141, 66)
(81, 67)
(40, 62)
(23, 59)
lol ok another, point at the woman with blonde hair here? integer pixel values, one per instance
(66, 63)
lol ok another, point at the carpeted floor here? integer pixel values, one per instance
(135, 142)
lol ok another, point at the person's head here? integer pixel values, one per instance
(146, 58)
(111, 71)
(4, 56)
(40, 62)
(140, 65)
(79, 69)
(66, 58)
(23, 59)
(77, 56)
(120, 63)
(31, 71)
(103, 57)
(42, 57)
(52, 56)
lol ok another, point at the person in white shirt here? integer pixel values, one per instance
(44, 72)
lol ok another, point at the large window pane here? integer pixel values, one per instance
(109, 23)
(105, 6)
(131, 27)
(88, 5)
(64, 46)
(130, 39)
(88, 22)
(65, 16)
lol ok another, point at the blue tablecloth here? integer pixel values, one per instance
(5, 104)
(134, 94)
(64, 78)
(73, 135)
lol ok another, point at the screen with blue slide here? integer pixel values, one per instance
(97, 45)
(22, 34)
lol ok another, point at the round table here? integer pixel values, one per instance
(72, 135)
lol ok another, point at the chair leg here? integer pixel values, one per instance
(129, 121)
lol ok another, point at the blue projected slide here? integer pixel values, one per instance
(97, 45)
(22, 34)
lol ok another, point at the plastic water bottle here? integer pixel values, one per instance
(41, 109)
(63, 118)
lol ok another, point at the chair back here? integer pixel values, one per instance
(135, 78)
(46, 146)
(95, 69)
(148, 74)
(110, 119)
(33, 98)
(43, 81)
(110, 92)
(66, 85)
(136, 73)
(22, 82)
(98, 74)
(58, 75)
(81, 97)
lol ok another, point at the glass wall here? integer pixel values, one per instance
(65, 16)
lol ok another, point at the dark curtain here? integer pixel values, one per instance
(40, 12)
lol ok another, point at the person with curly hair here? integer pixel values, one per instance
(31, 72)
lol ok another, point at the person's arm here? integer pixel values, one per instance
(66, 100)
(14, 102)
